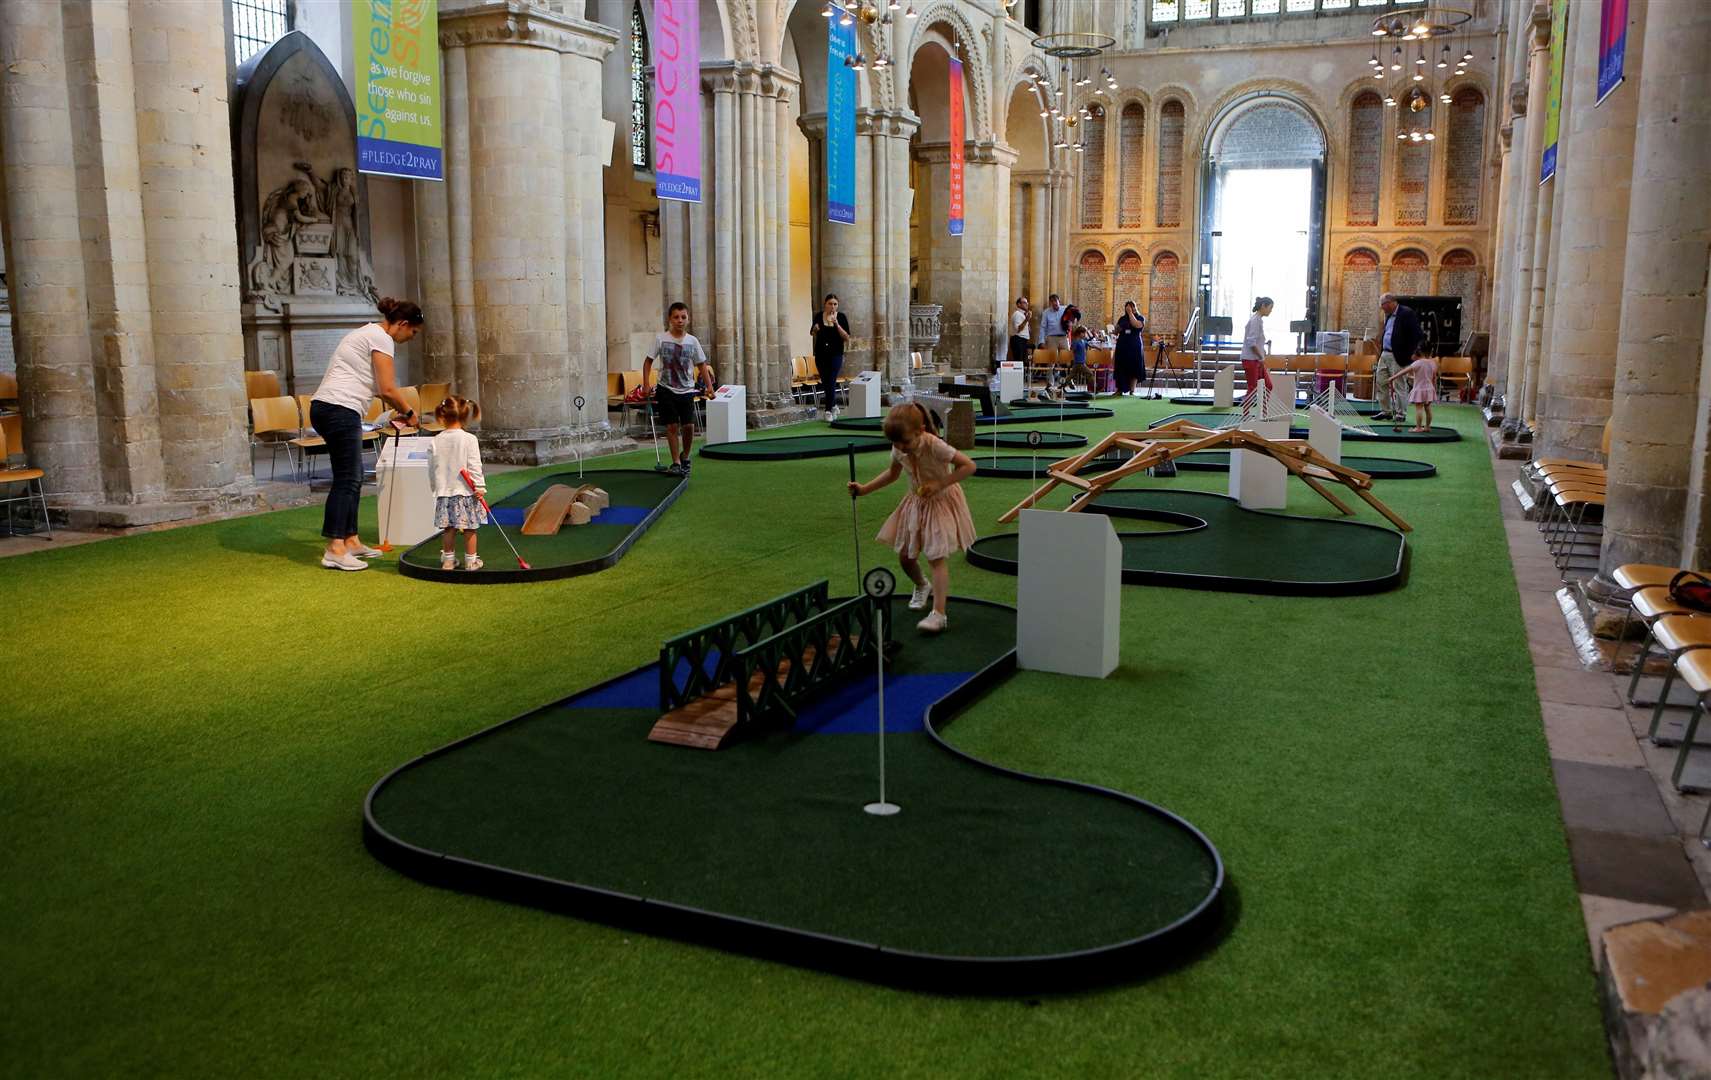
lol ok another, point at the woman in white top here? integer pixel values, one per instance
(1253, 349)
(359, 371)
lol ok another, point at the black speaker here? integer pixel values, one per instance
(1440, 322)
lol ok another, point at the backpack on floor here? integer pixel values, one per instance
(1691, 591)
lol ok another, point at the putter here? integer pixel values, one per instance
(855, 524)
(655, 433)
(521, 565)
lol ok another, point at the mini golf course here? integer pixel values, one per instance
(793, 447)
(638, 499)
(1302, 399)
(989, 879)
(1033, 466)
(1379, 433)
(1200, 540)
(1038, 415)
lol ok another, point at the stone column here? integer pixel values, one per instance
(1658, 431)
(1497, 359)
(1527, 216)
(888, 134)
(1039, 213)
(986, 246)
(1589, 260)
(460, 246)
(1018, 234)
(1539, 339)
(43, 252)
(434, 270)
(532, 238)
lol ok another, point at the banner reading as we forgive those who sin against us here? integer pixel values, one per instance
(956, 136)
(396, 51)
(840, 120)
(1553, 94)
(677, 99)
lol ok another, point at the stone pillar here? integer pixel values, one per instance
(986, 247)
(1497, 359)
(1658, 430)
(1589, 260)
(1039, 214)
(465, 365)
(1018, 234)
(531, 237)
(434, 270)
(1539, 340)
(1527, 215)
(43, 252)
(890, 134)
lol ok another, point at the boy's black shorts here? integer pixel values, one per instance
(674, 408)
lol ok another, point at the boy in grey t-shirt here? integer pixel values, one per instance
(682, 364)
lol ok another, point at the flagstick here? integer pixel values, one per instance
(881, 808)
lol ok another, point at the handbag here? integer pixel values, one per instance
(1690, 590)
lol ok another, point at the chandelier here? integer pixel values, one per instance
(1074, 51)
(1433, 20)
(1408, 71)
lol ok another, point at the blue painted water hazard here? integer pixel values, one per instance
(512, 516)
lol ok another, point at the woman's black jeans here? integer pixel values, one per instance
(341, 428)
(830, 367)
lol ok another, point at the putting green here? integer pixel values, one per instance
(1379, 432)
(829, 445)
(1364, 408)
(1215, 544)
(988, 878)
(1040, 416)
(637, 499)
(1024, 466)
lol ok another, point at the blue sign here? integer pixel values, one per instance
(840, 120)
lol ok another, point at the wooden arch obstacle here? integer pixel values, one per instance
(1158, 445)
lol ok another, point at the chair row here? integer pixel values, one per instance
(15, 469)
(286, 419)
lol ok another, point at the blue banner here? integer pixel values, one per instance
(840, 120)
(1612, 46)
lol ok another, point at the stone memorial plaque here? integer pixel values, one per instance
(1413, 176)
(314, 276)
(1170, 134)
(1366, 134)
(1463, 160)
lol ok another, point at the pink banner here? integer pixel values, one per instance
(956, 148)
(677, 99)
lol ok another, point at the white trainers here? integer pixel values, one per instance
(364, 552)
(448, 560)
(934, 623)
(342, 562)
(472, 562)
(921, 597)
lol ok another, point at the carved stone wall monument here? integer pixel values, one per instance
(302, 212)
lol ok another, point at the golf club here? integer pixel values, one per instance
(521, 565)
(855, 524)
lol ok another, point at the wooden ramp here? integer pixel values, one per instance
(708, 722)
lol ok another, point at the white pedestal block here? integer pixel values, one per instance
(1224, 388)
(1069, 593)
(728, 416)
(1324, 434)
(406, 492)
(1258, 481)
(1010, 381)
(865, 392)
(1280, 403)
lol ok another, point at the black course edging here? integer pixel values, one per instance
(996, 975)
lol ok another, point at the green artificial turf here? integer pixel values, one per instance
(198, 713)
(838, 443)
(1031, 466)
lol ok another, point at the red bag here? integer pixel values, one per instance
(636, 395)
(1691, 591)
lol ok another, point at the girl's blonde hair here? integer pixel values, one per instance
(458, 409)
(908, 417)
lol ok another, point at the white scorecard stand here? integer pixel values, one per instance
(864, 394)
(406, 491)
(727, 415)
(1010, 381)
(1258, 481)
(1069, 593)
(1324, 434)
(1224, 387)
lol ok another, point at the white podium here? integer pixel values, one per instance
(865, 391)
(406, 491)
(1257, 481)
(1280, 400)
(727, 415)
(1224, 387)
(1324, 434)
(1011, 383)
(1069, 593)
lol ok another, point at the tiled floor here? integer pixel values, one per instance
(1631, 836)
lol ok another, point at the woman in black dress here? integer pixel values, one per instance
(1130, 361)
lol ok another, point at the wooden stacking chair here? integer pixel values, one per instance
(8, 388)
(261, 384)
(1360, 369)
(615, 391)
(1694, 668)
(1575, 503)
(275, 423)
(430, 397)
(1455, 373)
(14, 469)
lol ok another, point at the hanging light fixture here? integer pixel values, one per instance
(911, 13)
(1396, 58)
(829, 12)
(1444, 59)
(847, 19)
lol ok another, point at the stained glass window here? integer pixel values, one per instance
(639, 133)
(256, 24)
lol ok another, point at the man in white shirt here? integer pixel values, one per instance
(1019, 331)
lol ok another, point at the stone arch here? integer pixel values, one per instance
(929, 96)
(1225, 107)
(1131, 158)
(1172, 139)
(1165, 292)
(1092, 284)
(1459, 275)
(1130, 278)
(975, 68)
(1091, 167)
(1362, 282)
(1410, 272)
(1464, 155)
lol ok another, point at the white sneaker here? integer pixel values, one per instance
(448, 560)
(342, 562)
(933, 623)
(921, 597)
(472, 562)
(364, 552)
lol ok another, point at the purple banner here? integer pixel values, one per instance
(1612, 46)
(677, 99)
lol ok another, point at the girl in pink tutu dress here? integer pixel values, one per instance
(932, 521)
(1425, 373)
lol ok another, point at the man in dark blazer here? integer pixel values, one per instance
(1397, 346)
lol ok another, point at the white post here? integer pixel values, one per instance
(882, 808)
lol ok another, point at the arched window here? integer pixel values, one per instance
(1360, 292)
(256, 24)
(641, 140)
(1130, 274)
(1170, 129)
(1460, 277)
(1366, 153)
(1093, 171)
(1164, 314)
(1464, 157)
(1131, 158)
(1090, 288)
(1410, 273)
